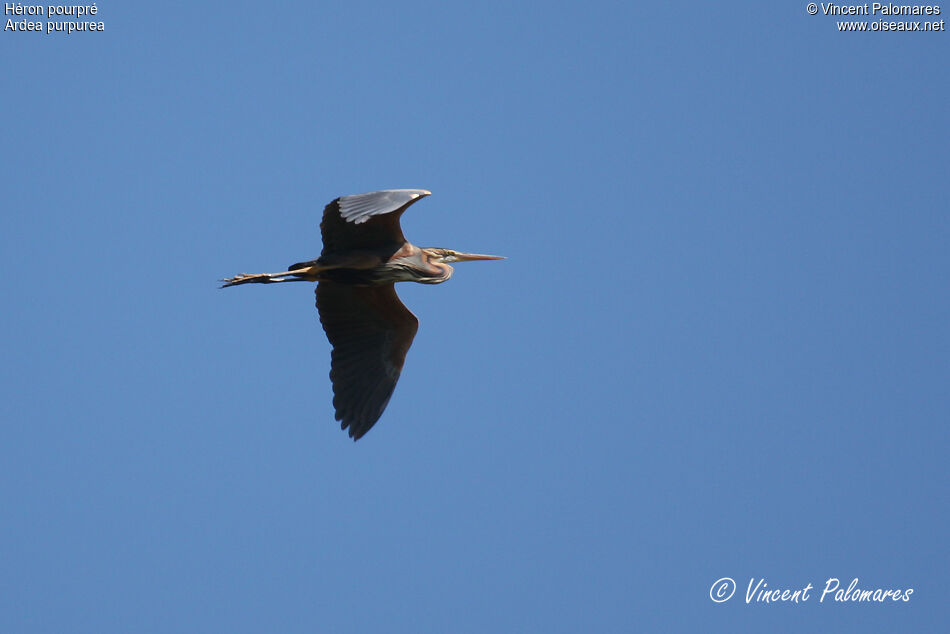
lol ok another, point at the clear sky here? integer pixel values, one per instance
(718, 347)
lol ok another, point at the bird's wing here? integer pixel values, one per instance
(371, 332)
(366, 221)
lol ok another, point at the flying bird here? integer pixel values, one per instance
(370, 330)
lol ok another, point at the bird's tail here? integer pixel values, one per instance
(302, 265)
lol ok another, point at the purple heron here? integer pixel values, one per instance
(370, 330)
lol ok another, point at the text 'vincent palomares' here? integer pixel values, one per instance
(877, 8)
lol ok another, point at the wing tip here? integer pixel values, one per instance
(359, 208)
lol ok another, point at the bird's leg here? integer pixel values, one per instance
(263, 278)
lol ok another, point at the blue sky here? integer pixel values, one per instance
(718, 348)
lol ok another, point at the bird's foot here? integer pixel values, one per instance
(244, 278)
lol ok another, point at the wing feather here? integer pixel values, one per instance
(371, 332)
(366, 221)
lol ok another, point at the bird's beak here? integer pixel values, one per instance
(466, 257)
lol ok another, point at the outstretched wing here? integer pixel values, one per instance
(366, 221)
(371, 332)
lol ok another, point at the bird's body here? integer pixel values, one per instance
(364, 254)
(371, 268)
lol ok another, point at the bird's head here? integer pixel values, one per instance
(447, 256)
